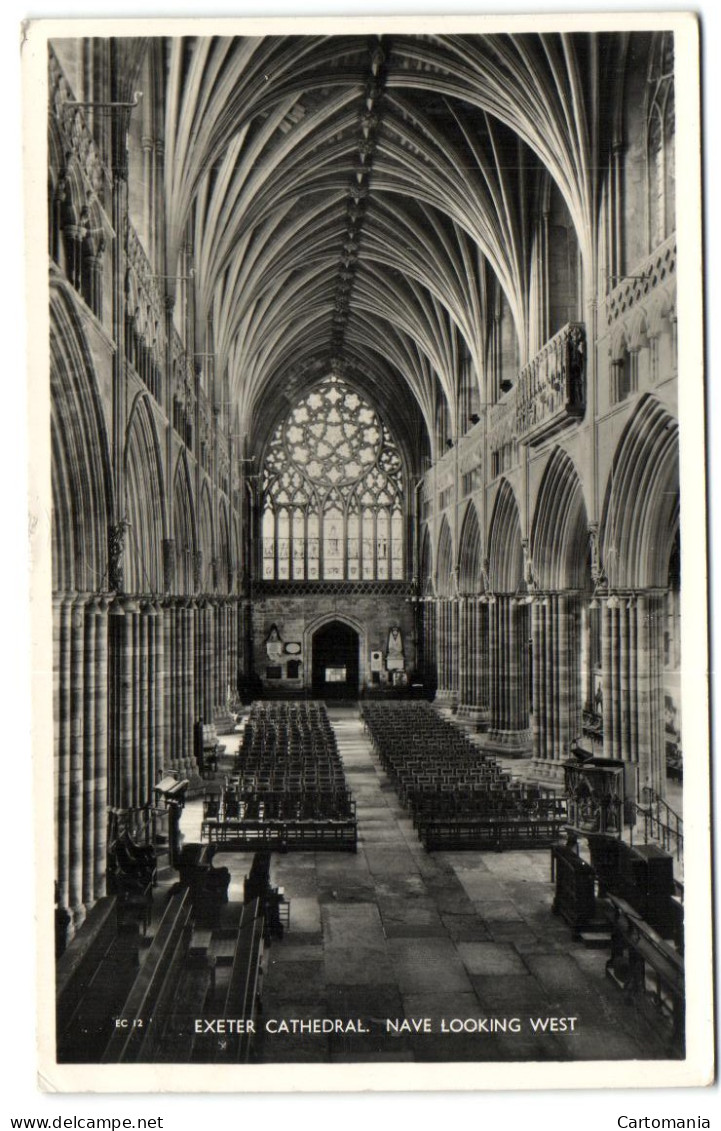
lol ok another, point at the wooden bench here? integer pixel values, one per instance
(244, 987)
(642, 876)
(76, 972)
(648, 968)
(241, 1001)
(310, 835)
(208, 885)
(479, 834)
(575, 896)
(151, 996)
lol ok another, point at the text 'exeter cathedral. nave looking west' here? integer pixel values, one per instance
(365, 548)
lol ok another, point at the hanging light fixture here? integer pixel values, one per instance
(594, 603)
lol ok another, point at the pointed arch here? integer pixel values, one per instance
(444, 558)
(144, 500)
(80, 456)
(184, 527)
(641, 508)
(314, 625)
(559, 535)
(470, 556)
(426, 572)
(237, 551)
(505, 550)
(206, 535)
(225, 561)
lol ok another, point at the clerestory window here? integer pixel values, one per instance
(333, 489)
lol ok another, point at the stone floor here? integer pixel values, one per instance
(396, 939)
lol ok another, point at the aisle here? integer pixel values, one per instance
(394, 933)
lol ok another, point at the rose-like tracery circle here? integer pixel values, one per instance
(333, 436)
(333, 491)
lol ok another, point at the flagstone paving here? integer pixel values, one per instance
(445, 941)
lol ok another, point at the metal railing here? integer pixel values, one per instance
(660, 822)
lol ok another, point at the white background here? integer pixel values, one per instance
(19, 1095)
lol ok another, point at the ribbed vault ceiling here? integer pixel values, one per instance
(351, 198)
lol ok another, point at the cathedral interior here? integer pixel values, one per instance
(365, 547)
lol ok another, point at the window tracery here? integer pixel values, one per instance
(661, 129)
(333, 489)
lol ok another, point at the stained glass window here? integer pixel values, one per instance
(333, 491)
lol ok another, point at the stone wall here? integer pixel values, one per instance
(297, 618)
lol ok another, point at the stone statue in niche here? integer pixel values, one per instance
(274, 644)
(395, 659)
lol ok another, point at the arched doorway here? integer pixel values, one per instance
(335, 661)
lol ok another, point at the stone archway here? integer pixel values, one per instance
(565, 620)
(335, 664)
(508, 628)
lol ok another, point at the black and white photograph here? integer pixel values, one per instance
(368, 536)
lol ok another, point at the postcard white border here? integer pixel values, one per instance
(696, 1069)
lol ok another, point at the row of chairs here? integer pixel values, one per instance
(442, 777)
(278, 805)
(288, 770)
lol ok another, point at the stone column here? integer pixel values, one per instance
(539, 715)
(160, 702)
(62, 614)
(452, 647)
(633, 694)
(122, 658)
(463, 658)
(143, 671)
(481, 686)
(133, 615)
(100, 793)
(186, 626)
(78, 719)
(176, 685)
(509, 717)
(90, 676)
(216, 658)
(438, 612)
(170, 684)
(471, 653)
(179, 688)
(168, 688)
(233, 647)
(446, 637)
(226, 653)
(199, 658)
(557, 691)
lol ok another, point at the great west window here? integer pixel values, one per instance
(332, 492)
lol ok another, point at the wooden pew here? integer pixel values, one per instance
(208, 885)
(307, 835)
(241, 1001)
(152, 992)
(81, 993)
(479, 833)
(244, 987)
(575, 898)
(648, 968)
